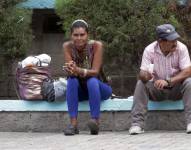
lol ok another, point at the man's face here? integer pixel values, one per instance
(79, 37)
(168, 46)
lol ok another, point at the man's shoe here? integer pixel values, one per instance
(93, 126)
(71, 130)
(188, 129)
(135, 130)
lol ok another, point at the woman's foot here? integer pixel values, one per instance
(93, 125)
(71, 130)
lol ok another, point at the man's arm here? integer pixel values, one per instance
(145, 73)
(181, 76)
(145, 76)
(184, 64)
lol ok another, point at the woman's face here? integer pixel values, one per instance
(80, 37)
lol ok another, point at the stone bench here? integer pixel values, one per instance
(20, 115)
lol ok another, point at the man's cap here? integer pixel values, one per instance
(167, 32)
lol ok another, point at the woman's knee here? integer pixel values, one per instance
(92, 82)
(72, 81)
(72, 87)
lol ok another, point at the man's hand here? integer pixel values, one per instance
(160, 84)
(145, 76)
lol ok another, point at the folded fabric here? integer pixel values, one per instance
(39, 60)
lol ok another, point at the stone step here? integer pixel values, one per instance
(42, 116)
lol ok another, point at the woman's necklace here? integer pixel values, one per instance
(82, 57)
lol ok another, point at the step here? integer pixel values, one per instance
(42, 116)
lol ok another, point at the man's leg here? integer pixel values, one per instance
(186, 91)
(140, 100)
(183, 90)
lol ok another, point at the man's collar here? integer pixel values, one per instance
(157, 49)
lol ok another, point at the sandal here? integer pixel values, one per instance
(71, 130)
(93, 126)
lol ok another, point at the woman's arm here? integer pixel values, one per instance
(68, 59)
(96, 64)
(97, 59)
(67, 52)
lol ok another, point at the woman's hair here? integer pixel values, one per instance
(79, 23)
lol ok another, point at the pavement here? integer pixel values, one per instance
(152, 140)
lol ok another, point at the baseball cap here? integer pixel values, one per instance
(167, 32)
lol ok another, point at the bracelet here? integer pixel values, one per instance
(85, 71)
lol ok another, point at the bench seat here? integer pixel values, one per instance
(42, 116)
(108, 105)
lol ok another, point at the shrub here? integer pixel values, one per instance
(125, 26)
(183, 14)
(15, 31)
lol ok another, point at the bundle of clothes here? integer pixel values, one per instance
(34, 80)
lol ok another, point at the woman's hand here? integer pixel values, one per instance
(70, 68)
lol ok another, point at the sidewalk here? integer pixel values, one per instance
(155, 140)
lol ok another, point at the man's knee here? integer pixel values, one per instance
(143, 88)
(141, 84)
(187, 83)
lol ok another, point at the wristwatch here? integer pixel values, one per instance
(168, 80)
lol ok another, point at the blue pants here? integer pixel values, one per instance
(95, 91)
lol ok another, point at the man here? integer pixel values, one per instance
(164, 74)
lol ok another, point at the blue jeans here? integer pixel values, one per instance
(94, 91)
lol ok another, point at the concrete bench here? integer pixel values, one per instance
(19, 115)
(108, 105)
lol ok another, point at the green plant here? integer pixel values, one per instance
(183, 15)
(15, 31)
(125, 26)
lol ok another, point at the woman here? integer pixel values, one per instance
(83, 64)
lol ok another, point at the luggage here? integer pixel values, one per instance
(34, 80)
(29, 81)
(54, 90)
